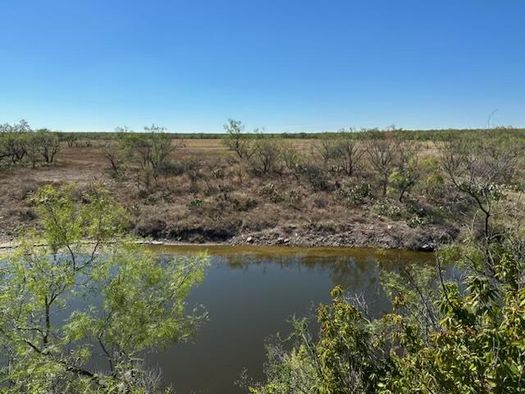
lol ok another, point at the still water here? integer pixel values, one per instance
(250, 294)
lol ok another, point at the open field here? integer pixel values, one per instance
(208, 193)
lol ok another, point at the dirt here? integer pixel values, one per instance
(234, 209)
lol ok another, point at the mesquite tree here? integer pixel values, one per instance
(88, 294)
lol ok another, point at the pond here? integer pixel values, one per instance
(250, 294)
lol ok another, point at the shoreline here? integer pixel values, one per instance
(275, 238)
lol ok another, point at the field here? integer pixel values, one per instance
(295, 191)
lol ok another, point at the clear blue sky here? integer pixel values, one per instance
(289, 65)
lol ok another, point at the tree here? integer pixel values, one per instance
(12, 141)
(117, 149)
(382, 156)
(292, 159)
(236, 140)
(265, 158)
(350, 152)
(88, 293)
(160, 143)
(19, 141)
(445, 334)
(343, 151)
(47, 144)
(481, 170)
(407, 171)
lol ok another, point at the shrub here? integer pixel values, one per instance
(242, 204)
(342, 153)
(19, 142)
(13, 146)
(236, 140)
(266, 156)
(354, 194)
(131, 302)
(382, 155)
(315, 176)
(195, 204)
(387, 208)
(270, 191)
(444, 334)
(47, 144)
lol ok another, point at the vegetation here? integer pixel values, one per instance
(88, 292)
(446, 333)
(20, 144)
(453, 328)
(412, 188)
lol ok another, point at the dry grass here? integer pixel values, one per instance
(231, 206)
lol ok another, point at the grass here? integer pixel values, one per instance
(211, 197)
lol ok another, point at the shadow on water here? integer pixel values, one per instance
(250, 294)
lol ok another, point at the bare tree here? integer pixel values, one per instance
(266, 155)
(382, 153)
(480, 169)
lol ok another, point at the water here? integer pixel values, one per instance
(250, 294)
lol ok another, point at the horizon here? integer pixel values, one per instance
(254, 132)
(298, 67)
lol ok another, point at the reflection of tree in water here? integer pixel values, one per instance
(358, 273)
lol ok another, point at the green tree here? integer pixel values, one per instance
(236, 140)
(266, 158)
(13, 141)
(444, 334)
(407, 171)
(88, 292)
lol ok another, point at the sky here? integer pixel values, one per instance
(285, 66)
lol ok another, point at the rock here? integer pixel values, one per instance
(286, 240)
(249, 239)
(426, 248)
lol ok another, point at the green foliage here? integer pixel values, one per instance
(266, 156)
(406, 173)
(388, 208)
(443, 335)
(149, 152)
(432, 180)
(354, 194)
(69, 218)
(236, 140)
(19, 144)
(316, 177)
(88, 292)
(343, 359)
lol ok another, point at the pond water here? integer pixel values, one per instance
(250, 294)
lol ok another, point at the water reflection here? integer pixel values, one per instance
(250, 293)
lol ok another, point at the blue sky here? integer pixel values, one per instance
(289, 65)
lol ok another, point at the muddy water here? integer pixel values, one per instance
(251, 292)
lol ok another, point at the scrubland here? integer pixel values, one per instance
(395, 189)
